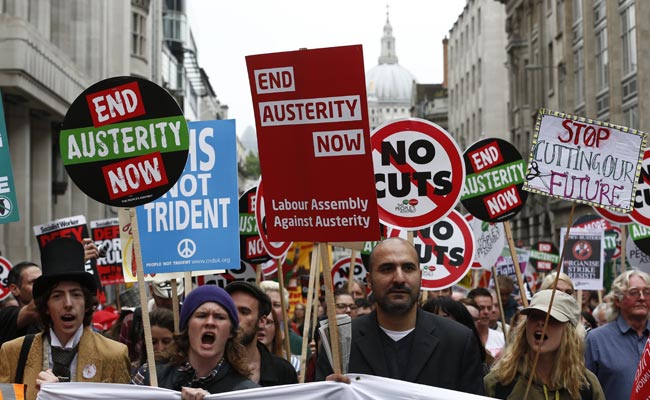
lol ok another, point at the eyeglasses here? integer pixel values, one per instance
(635, 292)
(343, 307)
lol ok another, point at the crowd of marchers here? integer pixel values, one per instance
(232, 339)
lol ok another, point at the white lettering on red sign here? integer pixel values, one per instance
(310, 111)
(135, 175)
(115, 104)
(338, 143)
(486, 157)
(274, 80)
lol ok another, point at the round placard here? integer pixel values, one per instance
(544, 256)
(5, 268)
(614, 216)
(495, 175)
(124, 141)
(341, 272)
(641, 211)
(275, 249)
(419, 172)
(251, 246)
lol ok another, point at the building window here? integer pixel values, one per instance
(631, 116)
(602, 68)
(628, 38)
(138, 34)
(559, 16)
(599, 11)
(478, 21)
(480, 121)
(579, 74)
(577, 20)
(478, 73)
(473, 78)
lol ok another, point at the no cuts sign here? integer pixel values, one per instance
(641, 211)
(124, 141)
(419, 173)
(445, 250)
(313, 135)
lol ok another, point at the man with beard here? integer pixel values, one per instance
(253, 305)
(400, 341)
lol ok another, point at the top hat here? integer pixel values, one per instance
(62, 259)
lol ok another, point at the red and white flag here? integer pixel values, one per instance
(641, 387)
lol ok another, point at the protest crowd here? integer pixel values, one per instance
(232, 338)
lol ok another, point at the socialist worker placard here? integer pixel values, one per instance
(313, 136)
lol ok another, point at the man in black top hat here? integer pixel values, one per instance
(67, 349)
(253, 305)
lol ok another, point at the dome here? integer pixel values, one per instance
(389, 82)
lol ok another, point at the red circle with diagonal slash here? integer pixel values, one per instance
(641, 211)
(275, 249)
(5, 268)
(452, 240)
(614, 216)
(420, 175)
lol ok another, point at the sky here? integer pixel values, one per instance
(226, 32)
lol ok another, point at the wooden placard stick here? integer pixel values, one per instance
(284, 305)
(515, 261)
(258, 274)
(175, 305)
(187, 278)
(331, 309)
(500, 302)
(146, 323)
(550, 305)
(313, 272)
(353, 264)
(623, 245)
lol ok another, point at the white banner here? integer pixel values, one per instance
(362, 387)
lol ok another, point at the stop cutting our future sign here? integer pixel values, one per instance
(419, 173)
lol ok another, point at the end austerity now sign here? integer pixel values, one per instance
(313, 136)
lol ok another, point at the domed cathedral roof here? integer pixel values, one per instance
(389, 82)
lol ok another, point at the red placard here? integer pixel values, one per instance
(419, 173)
(313, 136)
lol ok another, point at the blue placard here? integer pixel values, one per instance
(195, 225)
(8, 203)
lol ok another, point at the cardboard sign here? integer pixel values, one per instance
(8, 203)
(274, 249)
(124, 141)
(584, 258)
(419, 173)
(585, 161)
(544, 256)
(313, 136)
(489, 240)
(445, 250)
(341, 272)
(251, 246)
(72, 227)
(495, 177)
(641, 211)
(195, 225)
(245, 272)
(106, 234)
(506, 266)
(612, 233)
(637, 247)
(5, 268)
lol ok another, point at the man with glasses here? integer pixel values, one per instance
(613, 351)
(401, 341)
